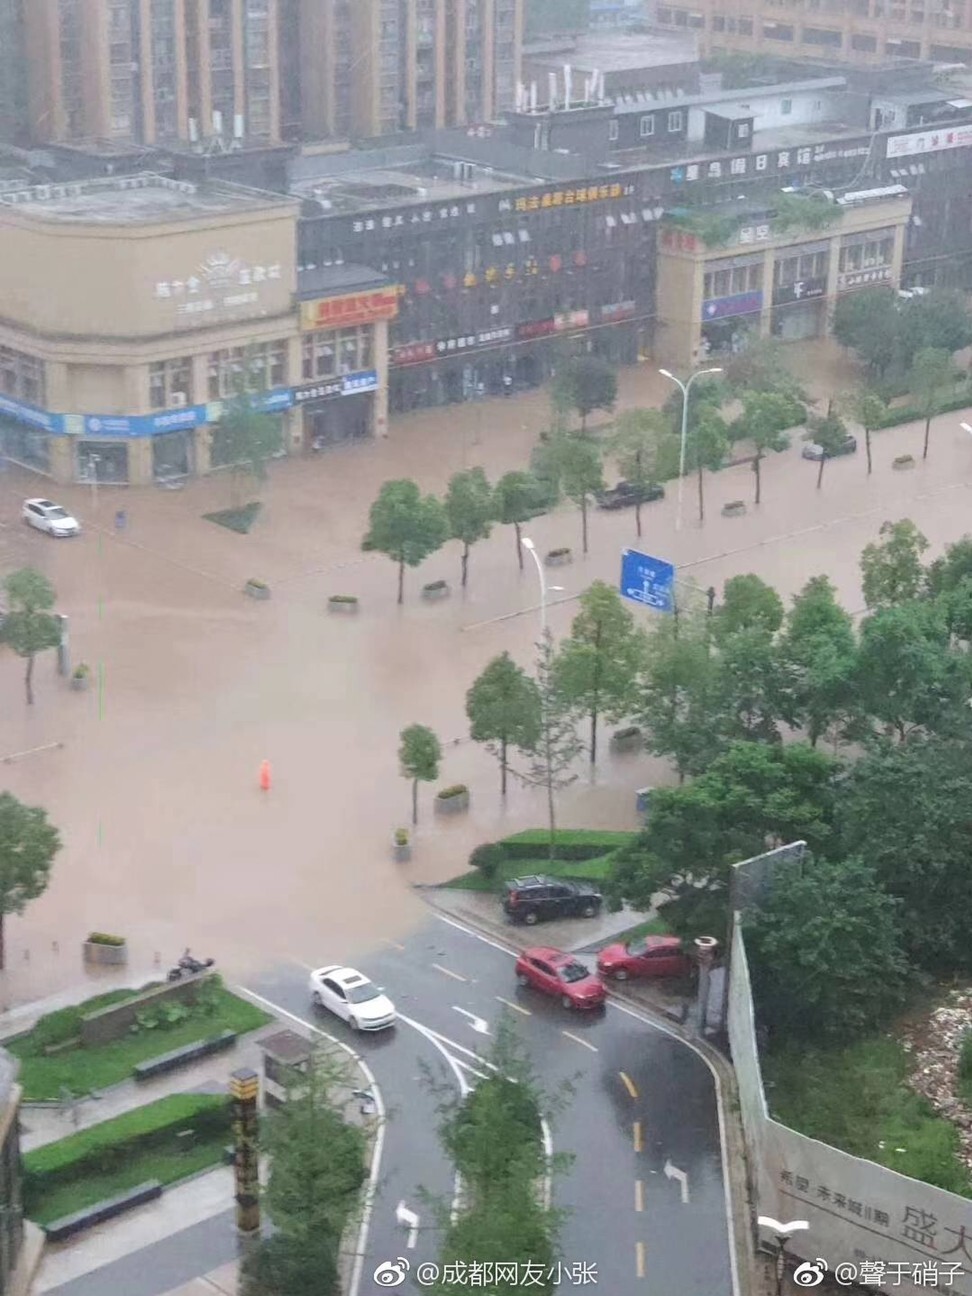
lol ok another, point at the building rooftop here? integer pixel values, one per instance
(436, 181)
(610, 52)
(320, 281)
(134, 200)
(727, 99)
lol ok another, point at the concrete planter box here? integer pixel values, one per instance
(100, 955)
(436, 590)
(345, 605)
(903, 462)
(454, 804)
(627, 740)
(402, 854)
(80, 682)
(735, 508)
(256, 591)
(559, 558)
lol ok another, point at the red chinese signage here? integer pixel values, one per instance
(536, 328)
(353, 308)
(674, 240)
(414, 353)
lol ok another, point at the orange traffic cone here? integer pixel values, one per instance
(265, 775)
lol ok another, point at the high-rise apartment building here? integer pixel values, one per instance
(855, 31)
(226, 73)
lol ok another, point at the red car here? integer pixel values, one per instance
(560, 974)
(649, 956)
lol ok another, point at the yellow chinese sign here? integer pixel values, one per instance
(569, 197)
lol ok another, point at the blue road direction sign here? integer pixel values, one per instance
(647, 580)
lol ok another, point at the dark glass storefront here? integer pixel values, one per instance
(27, 446)
(105, 462)
(337, 420)
(173, 455)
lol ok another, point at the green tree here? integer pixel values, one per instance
(751, 796)
(418, 756)
(638, 437)
(826, 953)
(747, 603)
(514, 502)
(281, 1265)
(581, 473)
(905, 810)
(406, 526)
(469, 508)
(818, 650)
(871, 412)
(245, 438)
(933, 376)
(762, 366)
(939, 320)
(891, 570)
(503, 706)
(28, 844)
(551, 761)
(765, 417)
(582, 384)
(752, 685)
(952, 568)
(706, 446)
(869, 323)
(829, 432)
(31, 627)
(681, 708)
(596, 668)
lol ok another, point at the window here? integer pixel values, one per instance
(674, 120)
(648, 126)
(821, 36)
(728, 280)
(22, 376)
(170, 383)
(251, 368)
(613, 129)
(745, 26)
(863, 44)
(786, 107)
(718, 23)
(778, 31)
(867, 251)
(332, 352)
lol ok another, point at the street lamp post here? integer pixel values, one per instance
(783, 1233)
(93, 461)
(531, 548)
(685, 388)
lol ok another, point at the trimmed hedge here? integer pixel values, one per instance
(908, 413)
(110, 1144)
(576, 844)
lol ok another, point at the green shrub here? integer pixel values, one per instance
(343, 598)
(577, 844)
(102, 938)
(458, 789)
(965, 1067)
(908, 414)
(432, 586)
(488, 859)
(56, 1028)
(110, 1144)
(496, 1130)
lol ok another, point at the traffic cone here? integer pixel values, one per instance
(265, 775)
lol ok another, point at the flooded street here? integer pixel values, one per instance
(168, 839)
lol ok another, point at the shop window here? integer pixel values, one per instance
(170, 383)
(22, 376)
(332, 352)
(251, 368)
(868, 252)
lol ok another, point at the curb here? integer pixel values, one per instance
(735, 1168)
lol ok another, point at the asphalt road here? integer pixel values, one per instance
(641, 1100)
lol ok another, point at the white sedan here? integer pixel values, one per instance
(352, 997)
(47, 516)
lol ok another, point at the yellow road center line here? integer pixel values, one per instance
(577, 1040)
(637, 1136)
(448, 972)
(516, 1007)
(629, 1084)
(640, 1259)
(639, 1195)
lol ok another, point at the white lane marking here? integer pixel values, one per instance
(526, 1011)
(449, 1043)
(468, 931)
(411, 1221)
(371, 1187)
(464, 1089)
(448, 972)
(479, 1024)
(577, 1040)
(548, 1158)
(681, 1177)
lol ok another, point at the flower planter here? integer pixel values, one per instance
(346, 603)
(626, 740)
(735, 508)
(435, 590)
(402, 854)
(559, 558)
(256, 590)
(452, 800)
(101, 954)
(903, 462)
(80, 682)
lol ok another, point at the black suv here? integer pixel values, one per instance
(627, 495)
(530, 899)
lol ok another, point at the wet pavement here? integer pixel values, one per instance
(169, 840)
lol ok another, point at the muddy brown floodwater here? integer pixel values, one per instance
(168, 839)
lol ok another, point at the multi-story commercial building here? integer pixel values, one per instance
(853, 31)
(228, 74)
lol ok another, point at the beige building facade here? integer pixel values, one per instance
(769, 283)
(135, 309)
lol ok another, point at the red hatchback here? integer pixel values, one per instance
(650, 956)
(560, 974)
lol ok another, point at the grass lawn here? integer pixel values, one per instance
(856, 1099)
(236, 519)
(589, 870)
(83, 1070)
(167, 1164)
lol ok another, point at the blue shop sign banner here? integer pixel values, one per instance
(31, 415)
(173, 420)
(328, 388)
(746, 303)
